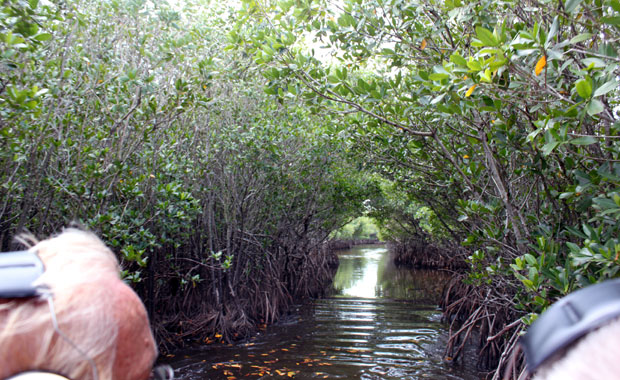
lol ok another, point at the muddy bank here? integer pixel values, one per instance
(337, 244)
(225, 305)
(481, 317)
(421, 254)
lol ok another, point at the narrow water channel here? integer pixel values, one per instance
(381, 322)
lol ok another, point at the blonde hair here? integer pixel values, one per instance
(593, 357)
(77, 264)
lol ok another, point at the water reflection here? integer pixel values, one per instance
(357, 274)
(381, 323)
(369, 272)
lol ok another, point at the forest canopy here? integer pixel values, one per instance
(215, 147)
(499, 117)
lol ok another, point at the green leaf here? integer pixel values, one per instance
(43, 37)
(584, 89)
(549, 147)
(611, 20)
(458, 59)
(571, 5)
(594, 62)
(474, 65)
(33, 4)
(606, 87)
(486, 36)
(553, 30)
(531, 260)
(438, 76)
(605, 203)
(580, 38)
(585, 140)
(615, 4)
(595, 107)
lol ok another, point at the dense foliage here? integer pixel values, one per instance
(500, 117)
(215, 197)
(216, 168)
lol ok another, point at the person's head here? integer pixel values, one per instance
(578, 337)
(103, 321)
(594, 357)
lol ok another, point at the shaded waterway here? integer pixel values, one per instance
(381, 322)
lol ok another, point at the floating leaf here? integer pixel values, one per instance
(540, 65)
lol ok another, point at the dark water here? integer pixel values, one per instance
(381, 323)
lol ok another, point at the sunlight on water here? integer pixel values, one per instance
(364, 279)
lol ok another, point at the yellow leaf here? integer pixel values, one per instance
(218, 335)
(540, 65)
(290, 373)
(423, 44)
(470, 91)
